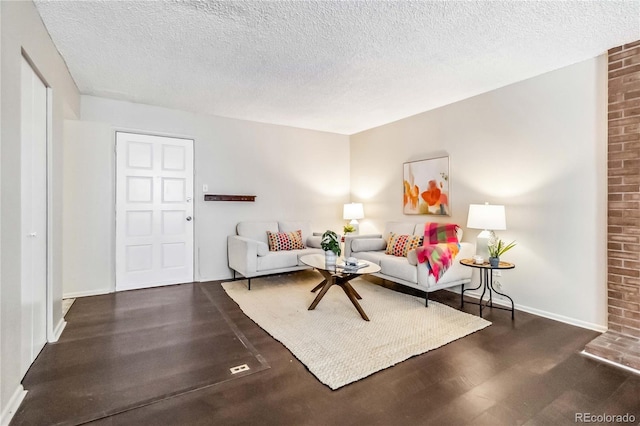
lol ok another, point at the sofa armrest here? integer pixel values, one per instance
(456, 271)
(467, 251)
(348, 239)
(243, 255)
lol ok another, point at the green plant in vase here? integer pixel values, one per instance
(330, 243)
(497, 248)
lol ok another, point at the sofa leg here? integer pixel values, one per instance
(249, 283)
(426, 299)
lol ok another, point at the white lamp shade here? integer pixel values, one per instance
(353, 211)
(486, 216)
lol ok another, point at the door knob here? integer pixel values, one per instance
(33, 234)
(188, 218)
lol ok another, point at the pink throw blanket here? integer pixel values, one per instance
(439, 249)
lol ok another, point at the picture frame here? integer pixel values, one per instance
(426, 187)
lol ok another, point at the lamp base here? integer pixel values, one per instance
(356, 225)
(482, 245)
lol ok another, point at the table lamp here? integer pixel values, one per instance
(353, 212)
(488, 217)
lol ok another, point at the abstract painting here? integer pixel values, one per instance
(426, 187)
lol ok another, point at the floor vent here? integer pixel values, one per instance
(239, 369)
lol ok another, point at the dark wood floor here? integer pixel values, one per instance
(527, 371)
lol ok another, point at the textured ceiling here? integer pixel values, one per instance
(340, 66)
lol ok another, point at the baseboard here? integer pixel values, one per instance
(57, 332)
(225, 278)
(76, 294)
(12, 405)
(556, 317)
(567, 320)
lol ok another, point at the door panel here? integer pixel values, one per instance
(33, 204)
(173, 222)
(173, 157)
(139, 189)
(154, 207)
(173, 190)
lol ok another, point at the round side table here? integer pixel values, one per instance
(486, 281)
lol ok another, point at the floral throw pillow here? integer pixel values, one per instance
(401, 245)
(279, 241)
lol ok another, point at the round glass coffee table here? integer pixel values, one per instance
(339, 275)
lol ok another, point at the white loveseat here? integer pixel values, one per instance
(249, 253)
(407, 270)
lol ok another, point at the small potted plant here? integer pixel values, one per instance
(330, 243)
(348, 228)
(496, 248)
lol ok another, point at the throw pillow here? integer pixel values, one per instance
(279, 241)
(401, 245)
(314, 241)
(436, 233)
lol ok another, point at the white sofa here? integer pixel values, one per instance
(407, 270)
(249, 254)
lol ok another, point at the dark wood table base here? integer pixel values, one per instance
(341, 280)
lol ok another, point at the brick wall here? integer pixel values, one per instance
(623, 236)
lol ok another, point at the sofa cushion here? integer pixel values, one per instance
(256, 230)
(399, 267)
(279, 241)
(314, 241)
(371, 256)
(278, 260)
(400, 245)
(368, 244)
(306, 252)
(412, 257)
(291, 226)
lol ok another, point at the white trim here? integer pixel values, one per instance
(12, 405)
(612, 363)
(226, 277)
(86, 293)
(561, 318)
(51, 334)
(58, 330)
(567, 320)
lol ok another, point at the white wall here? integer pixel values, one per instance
(22, 30)
(539, 148)
(296, 174)
(89, 198)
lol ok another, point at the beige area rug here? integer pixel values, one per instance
(333, 341)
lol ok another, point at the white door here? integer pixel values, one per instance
(33, 226)
(154, 211)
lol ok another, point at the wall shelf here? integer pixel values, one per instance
(220, 197)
